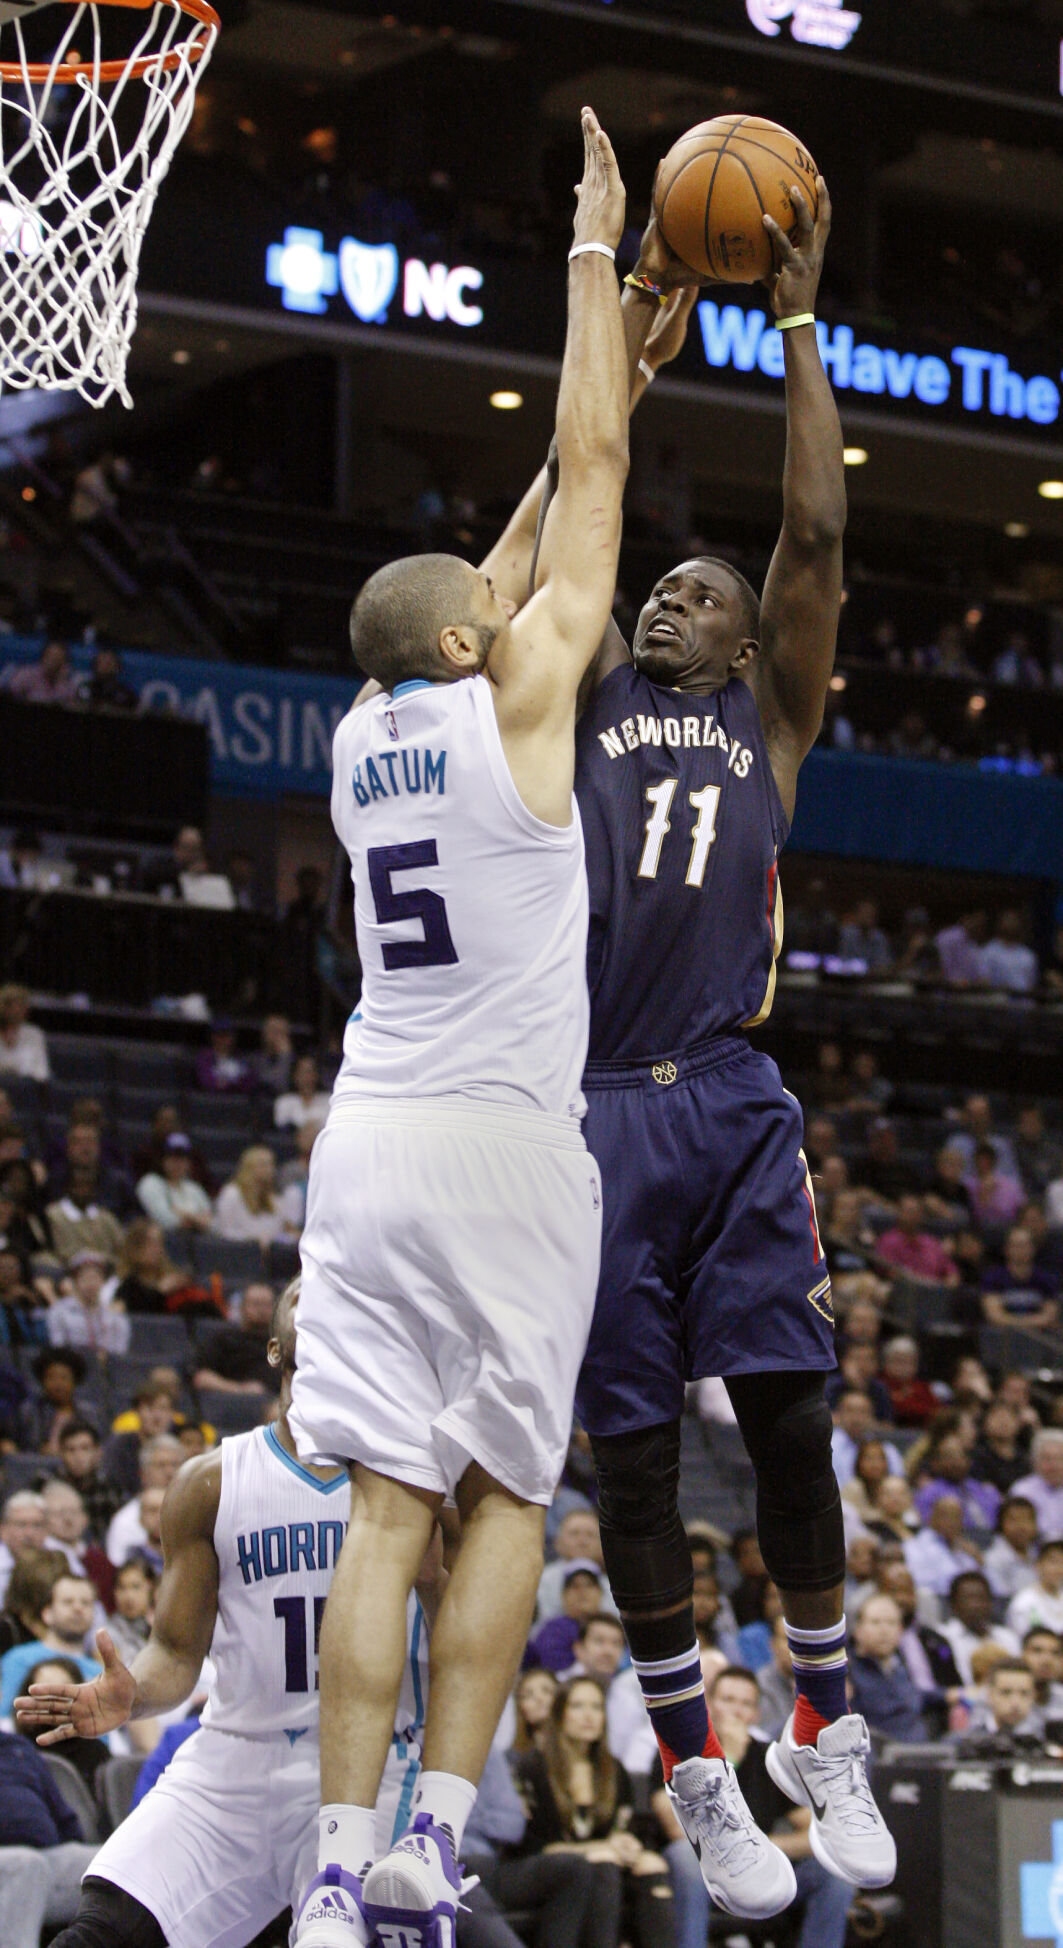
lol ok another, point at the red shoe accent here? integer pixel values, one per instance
(712, 1749)
(808, 1722)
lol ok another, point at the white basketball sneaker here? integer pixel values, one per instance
(848, 1833)
(743, 1871)
(331, 1915)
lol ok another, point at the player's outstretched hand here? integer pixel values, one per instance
(602, 196)
(81, 1710)
(794, 283)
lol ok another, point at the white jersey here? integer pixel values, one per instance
(470, 912)
(278, 1537)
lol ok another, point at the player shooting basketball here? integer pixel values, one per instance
(688, 757)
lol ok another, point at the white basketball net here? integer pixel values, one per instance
(77, 188)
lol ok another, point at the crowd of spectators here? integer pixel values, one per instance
(979, 952)
(971, 715)
(184, 872)
(53, 679)
(127, 1346)
(962, 649)
(104, 1223)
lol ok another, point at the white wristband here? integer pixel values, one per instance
(647, 371)
(602, 250)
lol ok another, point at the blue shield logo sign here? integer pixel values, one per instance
(368, 275)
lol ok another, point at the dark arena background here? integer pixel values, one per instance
(351, 318)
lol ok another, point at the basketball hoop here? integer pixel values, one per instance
(86, 138)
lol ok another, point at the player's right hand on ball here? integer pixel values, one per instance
(81, 1710)
(602, 196)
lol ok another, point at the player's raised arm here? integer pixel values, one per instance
(654, 334)
(802, 593)
(551, 642)
(164, 1673)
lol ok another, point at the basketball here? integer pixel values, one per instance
(718, 182)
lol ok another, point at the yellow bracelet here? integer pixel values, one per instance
(801, 318)
(647, 286)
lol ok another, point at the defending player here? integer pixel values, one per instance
(228, 1836)
(450, 1254)
(688, 757)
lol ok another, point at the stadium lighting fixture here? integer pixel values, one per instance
(507, 402)
(1051, 490)
(854, 456)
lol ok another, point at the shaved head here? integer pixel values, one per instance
(402, 610)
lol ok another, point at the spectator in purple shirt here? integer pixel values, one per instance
(1017, 1293)
(553, 1645)
(961, 951)
(994, 1198)
(945, 1472)
(219, 1069)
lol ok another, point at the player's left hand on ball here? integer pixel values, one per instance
(602, 196)
(794, 283)
(658, 260)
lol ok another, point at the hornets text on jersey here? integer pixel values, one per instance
(682, 825)
(277, 1537)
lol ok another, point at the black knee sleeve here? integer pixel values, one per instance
(786, 1425)
(108, 1917)
(646, 1552)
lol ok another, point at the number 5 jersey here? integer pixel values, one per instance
(470, 912)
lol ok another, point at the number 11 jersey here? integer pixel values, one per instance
(683, 825)
(470, 912)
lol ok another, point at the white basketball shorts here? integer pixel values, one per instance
(450, 1261)
(227, 1838)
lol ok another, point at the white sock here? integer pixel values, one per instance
(346, 1837)
(448, 1800)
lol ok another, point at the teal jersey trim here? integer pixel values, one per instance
(323, 1487)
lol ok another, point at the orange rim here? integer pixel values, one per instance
(39, 72)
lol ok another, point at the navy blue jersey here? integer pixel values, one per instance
(683, 825)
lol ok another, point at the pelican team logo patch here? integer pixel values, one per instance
(822, 1299)
(664, 1073)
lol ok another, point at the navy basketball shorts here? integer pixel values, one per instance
(711, 1255)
